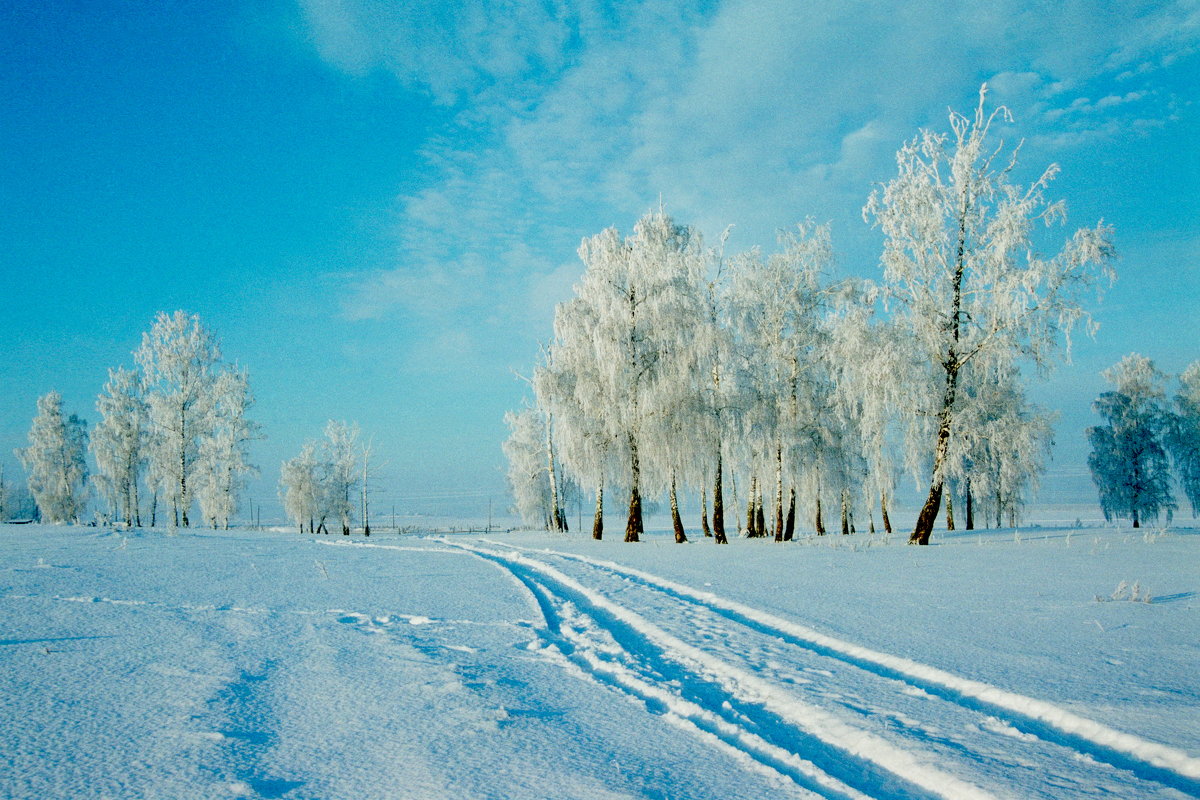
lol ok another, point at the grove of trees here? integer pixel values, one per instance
(761, 379)
(327, 479)
(1143, 434)
(176, 430)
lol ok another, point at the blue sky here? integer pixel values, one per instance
(376, 205)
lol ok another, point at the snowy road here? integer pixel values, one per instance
(266, 665)
(836, 718)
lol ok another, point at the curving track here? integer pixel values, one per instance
(834, 718)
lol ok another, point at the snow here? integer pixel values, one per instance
(206, 664)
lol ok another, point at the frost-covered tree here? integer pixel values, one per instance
(714, 394)
(118, 443)
(180, 360)
(632, 293)
(779, 308)
(864, 354)
(1002, 446)
(342, 453)
(1185, 434)
(56, 461)
(579, 437)
(528, 468)
(223, 462)
(300, 487)
(1129, 460)
(964, 279)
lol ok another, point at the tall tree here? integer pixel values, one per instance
(964, 279)
(579, 438)
(223, 463)
(779, 307)
(341, 452)
(179, 359)
(56, 461)
(1003, 443)
(300, 487)
(529, 469)
(1129, 461)
(634, 291)
(1185, 434)
(119, 443)
(863, 354)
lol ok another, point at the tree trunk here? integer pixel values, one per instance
(950, 511)
(845, 512)
(676, 522)
(719, 506)
(819, 522)
(633, 526)
(778, 493)
(559, 523)
(887, 523)
(750, 506)
(760, 520)
(789, 529)
(182, 503)
(933, 502)
(970, 509)
(598, 519)
(704, 513)
(929, 511)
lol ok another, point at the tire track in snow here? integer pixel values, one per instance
(1145, 759)
(725, 703)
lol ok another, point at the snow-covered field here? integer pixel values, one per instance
(208, 664)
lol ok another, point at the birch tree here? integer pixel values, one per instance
(1002, 449)
(629, 289)
(341, 452)
(55, 461)
(1129, 460)
(864, 353)
(578, 440)
(779, 305)
(223, 460)
(118, 443)
(179, 359)
(715, 393)
(529, 469)
(964, 279)
(300, 488)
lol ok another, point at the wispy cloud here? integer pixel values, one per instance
(755, 112)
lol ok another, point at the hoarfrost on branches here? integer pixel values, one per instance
(56, 462)
(1129, 460)
(197, 427)
(964, 279)
(118, 443)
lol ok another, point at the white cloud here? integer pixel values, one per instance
(755, 112)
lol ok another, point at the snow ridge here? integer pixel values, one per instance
(723, 700)
(1150, 760)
